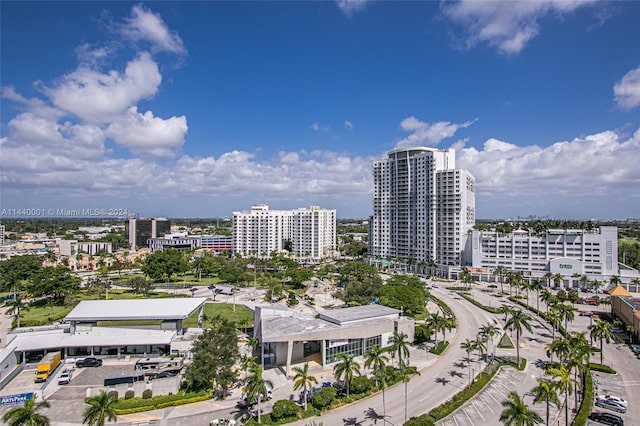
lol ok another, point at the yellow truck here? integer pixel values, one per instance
(47, 366)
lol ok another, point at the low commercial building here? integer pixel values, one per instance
(286, 336)
(627, 308)
(572, 253)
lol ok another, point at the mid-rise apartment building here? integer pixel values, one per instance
(423, 207)
(303, 232)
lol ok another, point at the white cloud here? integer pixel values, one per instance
(144, 133)
(99, 98)
(427, 134)
(348, 125)
(318, 127)
(507, 26)
(596, 165)
(627, 90)
(144, 25)
(349, 7)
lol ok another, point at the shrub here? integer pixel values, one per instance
(283, 409)
(129, 394)
(425, 420)
(602, 368)
(147, 394)
(113, 394)
(422, 333)
(439, 348)
(360, 384)
(585, 407)
(324, 397)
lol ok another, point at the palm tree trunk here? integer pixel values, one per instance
(547, 411)
(518, 347)
(601, 346)
(566, 405)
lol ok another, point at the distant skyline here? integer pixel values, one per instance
(199, 109)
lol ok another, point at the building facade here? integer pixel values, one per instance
(568, 252)
(176, 241)
(423, 207)
(216, 243)
(304, 232)
(140, 230)
(73, 247)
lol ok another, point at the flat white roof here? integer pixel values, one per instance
(98, 336)
(357, 313)
(135, 309)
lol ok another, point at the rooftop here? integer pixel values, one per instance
(357, 313)
(136, 309)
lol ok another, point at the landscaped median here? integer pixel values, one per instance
(466, 394)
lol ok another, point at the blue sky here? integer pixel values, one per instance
(199, 109)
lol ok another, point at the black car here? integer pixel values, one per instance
(607, 418)
(89, 362)
(164, 375)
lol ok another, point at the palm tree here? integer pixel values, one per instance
(546, 391)
(375, 358)
(346, 369)
(436, 323)
(555, 319)
(489, 331)
(400, 345)
(565, 381)
(246, 363)
(601, 330)
(381, 378)
(536, 285)
(548, 277)
(468, 346)
(303, 380)
(27, 415)
(448, 323)
(500, 271)
(257, 387)
(481, 347)
(615, 280)
(581, 352)
(568, 314)
(16, 306)
(560, 347)
(548, 298)
(406, 372)
(517, 413)
(557, 279)
(100, 409)
(526, 287)
(517, 321)
(506, 310)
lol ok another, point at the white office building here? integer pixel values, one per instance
(423, 207)
(304, 232)
(572, 253)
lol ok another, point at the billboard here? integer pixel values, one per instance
(18, 399)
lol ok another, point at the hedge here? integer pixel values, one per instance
(439, 348)
(490, 309)
(601, 368)
(136, 405)
(582, 417)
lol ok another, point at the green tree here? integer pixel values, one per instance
(518, 321)
(257, 387)
(406, 372)
(546, 391)
(400, 346)
(100, 409)
(214, 355)
(501, 272)
(375, 358)
(27, 415)
(55, 283)
(488, 332)
(162, 265)
(564, 383)
(537, 286)
(361, 283)
(303, 380)
(346, 369)
(380, 377)
(17, 269)
(601, 330)
(16, 306)
(140, 285)
(410, 300)
(560, 347)
(517, 413)
(469, 346)
(555, 319)
(548, 298)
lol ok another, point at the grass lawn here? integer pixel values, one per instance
(243, 317)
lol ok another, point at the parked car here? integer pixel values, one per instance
(65, 376)
(585, 313)
(612, 398)
(611, 405)
(607, 418)
(89, 362)
(164, 375)
(635, 349)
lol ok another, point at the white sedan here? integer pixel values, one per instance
(612, 398)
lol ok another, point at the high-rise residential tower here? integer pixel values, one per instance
(303, 232)
(423, 207)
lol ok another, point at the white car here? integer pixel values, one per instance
(65, 376)
(612, 398)
(611, 405)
